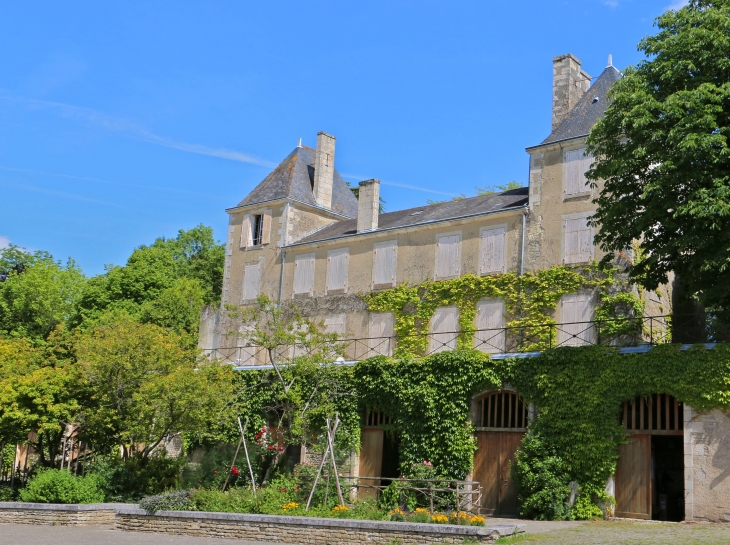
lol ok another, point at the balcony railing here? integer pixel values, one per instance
(618, 332)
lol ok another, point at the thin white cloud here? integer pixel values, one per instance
(611, 3)
(397, 184)
(62, 194)
(4, 242)
(133, 130)
(678, 4)
(101, 181)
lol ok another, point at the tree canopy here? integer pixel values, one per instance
(662, 152)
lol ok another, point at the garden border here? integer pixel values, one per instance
(272, 528)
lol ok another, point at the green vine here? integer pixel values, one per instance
(530, 300)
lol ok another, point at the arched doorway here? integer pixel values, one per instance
(650, 469)
(501, 423)
(379, 455)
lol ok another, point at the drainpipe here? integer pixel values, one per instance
(283, 252)
(522, 257)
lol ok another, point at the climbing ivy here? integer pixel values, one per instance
(579, 393)
(530, 299)
(428, 401)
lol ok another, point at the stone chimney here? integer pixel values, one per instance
(368, 206)
(569, 84)
(324, 169)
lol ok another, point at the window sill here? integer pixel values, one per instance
(577, 196)
(490, 273)
(384, 286)
(336, 292)
(301, 296)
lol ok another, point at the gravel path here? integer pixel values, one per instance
(628, 533)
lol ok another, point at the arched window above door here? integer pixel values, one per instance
(502, 410)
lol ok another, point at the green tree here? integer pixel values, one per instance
(662, 152)
(165, 283)
(37, 293)
(144, 383)
(40, 392)
(304, 386)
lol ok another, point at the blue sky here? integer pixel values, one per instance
(122, 122)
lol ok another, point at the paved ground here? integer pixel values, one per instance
(628, 533)
(537, 533)
(28, 534)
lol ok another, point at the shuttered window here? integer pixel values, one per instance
(380, 333)
(304, 274)
(337, 265)
(444, 329)
(335, 324)
(246, 239)
(266, 227)
(491, 251)
(384, 262)
(578, 243)
(448, 257)
(256, 229)
(251, 281)
(575, 327)
(576, 166)
(489, 322)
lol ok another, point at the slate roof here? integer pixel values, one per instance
(294, 177)
(587, 111)
(514, 198)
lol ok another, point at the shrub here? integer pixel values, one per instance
(6, 493)
(57, 486)
(542, 481)
(137, 477)
(178, 500)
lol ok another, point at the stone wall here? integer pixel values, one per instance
(303, 530)
(707, 465)
(55, 514)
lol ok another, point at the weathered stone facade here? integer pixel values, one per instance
(56, 514)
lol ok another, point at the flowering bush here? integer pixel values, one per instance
(476, 520)
(290, 505)
(339, 509)
(439, 519)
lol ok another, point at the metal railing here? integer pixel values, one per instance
(618, 332)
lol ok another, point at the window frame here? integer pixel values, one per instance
(504, 228)
(438, 237)
(564, 238)
(587, 191)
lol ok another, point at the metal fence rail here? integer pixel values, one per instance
(618, 332)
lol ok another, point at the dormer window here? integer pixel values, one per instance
(256, 229)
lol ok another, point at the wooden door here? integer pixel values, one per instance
(371, 461)
(495, 453)
(633, 478)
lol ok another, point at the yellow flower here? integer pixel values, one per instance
(340, 508)
(440, 519)
(475, 520)
(396, 511)
(290, 505)
(462, 515)
(421, 510)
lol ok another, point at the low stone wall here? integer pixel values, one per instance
(58, 514)
(303, 530)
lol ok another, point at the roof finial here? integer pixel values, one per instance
(300, 143)
(610, 60)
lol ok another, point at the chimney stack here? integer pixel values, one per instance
(569, 84)
(368, 206)
(324, 169)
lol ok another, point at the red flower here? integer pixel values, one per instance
(235, 472)
(215, 472)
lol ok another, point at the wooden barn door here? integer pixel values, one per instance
(633, 478)
(643, 418)
(371, 454)
(501, 424)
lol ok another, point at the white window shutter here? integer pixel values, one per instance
(492, 251)
(304, 274)
(576, 166)
(251, 281)
(444, 329)
(246, 231)
(578, 244)
(335, 324)
(575, 327)
(448, 261)
(384, 262)
(337, 269)
(266, 227)
(489, 322)
(380, 334)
